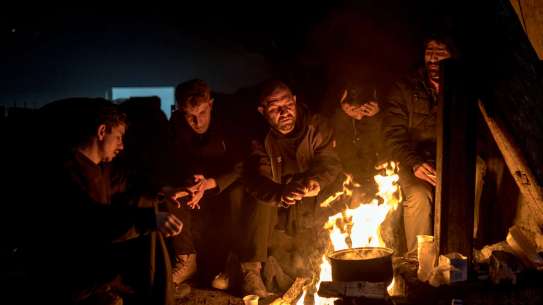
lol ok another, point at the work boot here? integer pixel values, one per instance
(184, 268)
(181, 290)
(229, 275)
(252, 280)
(221, 281)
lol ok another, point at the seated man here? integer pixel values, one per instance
(90, 216)
(409, 128)
(207, 154)
(357, 131)
(284, 175)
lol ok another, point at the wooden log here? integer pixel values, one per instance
(292, 293)
(368, 290)
(517, 165)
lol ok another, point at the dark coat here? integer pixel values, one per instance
(409, 125)
(315, 155)
(359, 143)
(218, 153)
(86, 227)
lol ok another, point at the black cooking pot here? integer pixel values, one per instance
(370, 264)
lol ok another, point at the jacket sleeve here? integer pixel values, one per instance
(325, 165)
(92, 221)
(396, 126)
(257, 177)
(225, 180)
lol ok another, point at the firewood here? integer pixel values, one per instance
(295, 290)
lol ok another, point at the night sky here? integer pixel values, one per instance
(53, 53)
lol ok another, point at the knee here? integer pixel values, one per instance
(419, 197)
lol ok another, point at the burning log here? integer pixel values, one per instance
(368, 290)
(292, 293)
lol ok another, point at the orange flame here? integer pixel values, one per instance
(359, 227)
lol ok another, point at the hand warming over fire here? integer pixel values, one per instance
(312, 188)
(197, 190)
(168, 224)
(426, 172)
(295, 191)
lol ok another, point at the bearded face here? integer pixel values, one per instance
(435, 52)
(279, 109)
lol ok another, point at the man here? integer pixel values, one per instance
(208, 150)
(357, 131)
(284, 175)
(90, 216)
(410, 132)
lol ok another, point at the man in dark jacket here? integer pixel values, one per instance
(284, 175)
(91, 216)
(410, 131)
(208, 151)
(357, 131)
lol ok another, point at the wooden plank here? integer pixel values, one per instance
(516, 163)
(530, 16)
(455, 191)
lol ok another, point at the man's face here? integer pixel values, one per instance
(111, 143)
(433, 54)
(199, 117)
(279, 109)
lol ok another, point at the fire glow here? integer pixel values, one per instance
(359, 227)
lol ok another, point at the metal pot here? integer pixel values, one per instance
(370, 264)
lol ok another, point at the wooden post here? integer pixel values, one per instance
(456, 155)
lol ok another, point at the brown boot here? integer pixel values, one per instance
(184, 268)
(252, 279)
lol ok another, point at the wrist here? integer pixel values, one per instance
(211, 183)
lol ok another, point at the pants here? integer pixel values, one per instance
(417, 209)
(262, 220)
(211, 231)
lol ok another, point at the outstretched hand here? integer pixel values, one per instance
(295, 191)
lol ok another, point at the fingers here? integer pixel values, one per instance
(370, 108)
(313, 188)
(429, 168)
(431, 180)
(288, 201)
(193, 202)
(180, 194)
(427, 173)
(169, 225)
(430, 173)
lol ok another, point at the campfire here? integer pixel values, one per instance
(358, 227)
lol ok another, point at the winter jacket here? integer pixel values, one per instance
(409, 125)
(315, 155)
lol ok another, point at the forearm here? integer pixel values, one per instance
(225, 180)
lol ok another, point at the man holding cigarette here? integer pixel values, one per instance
(409, 129)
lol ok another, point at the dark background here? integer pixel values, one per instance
(55, 52)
